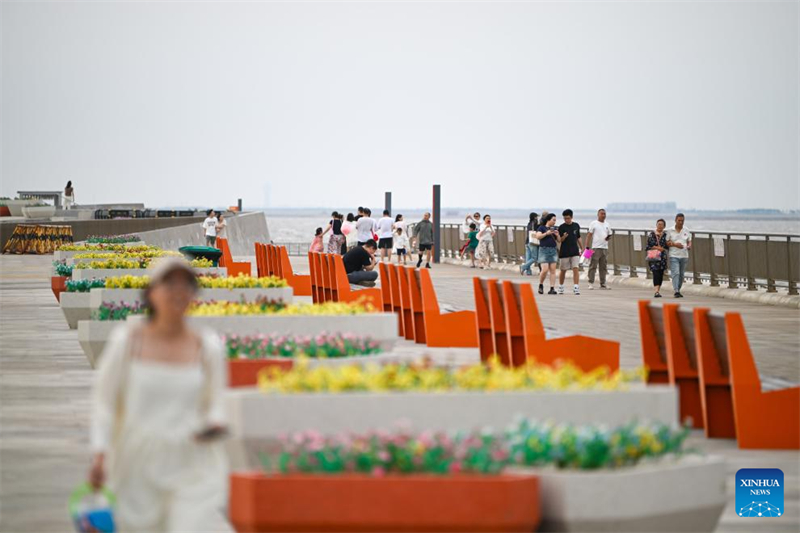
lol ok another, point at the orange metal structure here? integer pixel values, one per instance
(654, 352)
(233, 268)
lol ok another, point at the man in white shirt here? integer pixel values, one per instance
(385, 235)
(597, 241)
(210, 226)
(365, 227)
(679, 242)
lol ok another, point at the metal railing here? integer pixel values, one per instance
(735, 260)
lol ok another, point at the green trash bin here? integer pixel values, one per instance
(197, 252)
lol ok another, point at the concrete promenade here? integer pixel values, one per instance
(45, 381)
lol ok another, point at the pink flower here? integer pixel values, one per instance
(378, 471)
(455, 467)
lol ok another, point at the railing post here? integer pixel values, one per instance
(792, 284)
(387, 201)
(751, 282)
(437, 222)
(695, 273)
(631, 269)
(711, 256)
(731, 284)
(613, 254)
(770, 281)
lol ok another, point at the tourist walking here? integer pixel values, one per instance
(401, 245)
(548, 251)
(399, 223)
(158, 414)
(69, 195)
(597, 238)
(385, 235)
(365, 226)
(475, 218)
(486, 242)
(472, 243)
(337, 239)
(679, 241)
(423, 237)
(570, 252)
(531, 245)
(210, 227)
(657, 254)
(316, 243)
(359, 264)
(350, 232)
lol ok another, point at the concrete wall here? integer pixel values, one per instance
(242, 231)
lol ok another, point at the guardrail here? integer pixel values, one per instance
(738, 260)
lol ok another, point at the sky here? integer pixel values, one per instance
(297, 104)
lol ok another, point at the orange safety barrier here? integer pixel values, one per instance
(456, 329)
(386, 288)
(483, 317)
(682, 362)
(405, 298)
(233, 268)
(397, 303)
(714, 376)
(654, 351)
(344, 293)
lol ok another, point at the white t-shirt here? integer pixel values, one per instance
(400, 241)
(365, 226)
(384, 228)
(487, 235)
(210, 225)
(400, 224)
(683, 237)
(599, 231)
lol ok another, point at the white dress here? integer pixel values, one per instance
(145, 416)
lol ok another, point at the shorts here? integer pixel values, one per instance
(401, 251)
(547, 255)
(425, 247)
(385, 243)
(568, 263)
(211, 240)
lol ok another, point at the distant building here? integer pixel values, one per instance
(642, 207)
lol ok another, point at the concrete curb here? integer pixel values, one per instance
(759, 297)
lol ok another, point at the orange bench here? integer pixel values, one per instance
(386, 288)
(527, 340)
(682, 362)
(260, 252)
(397, 301)
(654, 350)
(415, 297)
(491, 322)
(340, 285)
(455, 329)
(279, 265)
(233, 268)
(714, 377)
(762, 420)
(405, 298)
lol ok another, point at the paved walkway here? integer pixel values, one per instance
(45, 381)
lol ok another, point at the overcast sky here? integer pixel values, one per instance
(331, 104)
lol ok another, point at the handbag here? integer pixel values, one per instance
(653, 256)
(532, 238)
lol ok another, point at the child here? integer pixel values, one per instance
(472, 243)
(400, 245)
(316, 244)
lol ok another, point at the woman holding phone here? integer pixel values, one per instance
(158, 414)
(549, 238)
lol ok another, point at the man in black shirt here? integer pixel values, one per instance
(359, 263)
(570, 253)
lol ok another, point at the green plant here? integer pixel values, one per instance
(324, 345)
(85, 285)
(63, 269)
(118, 311)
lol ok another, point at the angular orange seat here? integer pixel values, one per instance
(386, 287)
(415, 296)
(714, 377)
(458, 329)
(654, 351)
(279, 265)
(682, 362)
(405, 298)
(397, 302)
(483, 317)
(344, 293)
(240, 268)
(315, 286)
(527, 340)
(272, 260)
(326, 275)
(260, 251)
(763, 420)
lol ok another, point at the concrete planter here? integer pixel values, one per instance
(206, 295)
(39, 211)
(258, 419)
(359, 502)
(15, 206)
(93, 335)
(102, 273)
(75, 306)
(58, 284)
(685, 494)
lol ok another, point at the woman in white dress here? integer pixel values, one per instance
(69, 196)
(158, 415)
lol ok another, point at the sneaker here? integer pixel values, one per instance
(591, 286)
(427, 265)
(605, 287)
(541, 289)
(657, 295)
(521, 271)
(419, 263)
(678, 295)
(552, 291)
(560, 289)
(576, 290)
(366, 283)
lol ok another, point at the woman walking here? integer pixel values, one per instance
(486, 242)
(69, 195)
(657, 254)
(531, 245)
(548, 251)
(337, 238)
(158, 414)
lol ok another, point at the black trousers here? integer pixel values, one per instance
(658, 278)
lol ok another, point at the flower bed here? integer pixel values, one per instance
(68, 251)
(62, 269)
(101, 257)
(89, 273)
(103, 295)
(113, 239)
(263, 306)
(84, 285)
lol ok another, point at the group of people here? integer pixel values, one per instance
(213, 226)
(561, 248)
(358, 238)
